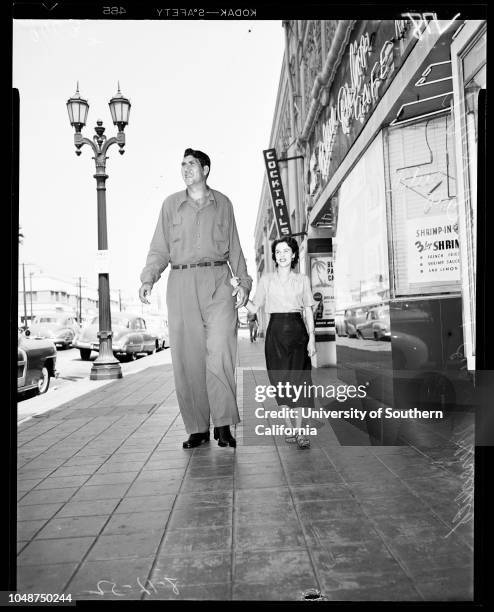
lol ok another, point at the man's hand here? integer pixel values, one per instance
(242, 296)
(145, 292)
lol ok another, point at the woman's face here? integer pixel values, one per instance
(283, 255)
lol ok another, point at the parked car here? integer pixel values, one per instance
(159, 327)
(339, 324)
(352, 318)
(130, 337)
(61, 329)
(36, 361)
(376, 324)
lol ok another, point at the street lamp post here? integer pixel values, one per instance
(24, 294)
(106, 366)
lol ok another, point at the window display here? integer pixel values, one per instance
(423, 207)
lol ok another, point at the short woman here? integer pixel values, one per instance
(289, 343)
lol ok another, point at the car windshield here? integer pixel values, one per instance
(115, 319)
(46, 320)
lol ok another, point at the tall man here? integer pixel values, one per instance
(196, 233)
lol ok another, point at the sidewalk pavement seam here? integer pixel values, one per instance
(65, 424)
(90, 476)
(425, 502)
(300, 522)
(87, 443)
(67, 436)
(390, 551)
(115, 508)
(85, 424)
(162, 539)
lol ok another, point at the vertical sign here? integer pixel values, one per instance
(322, 283)
(277, 194)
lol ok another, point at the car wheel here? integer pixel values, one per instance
(376, 336)
(44, 381)
(359, 335)
(85, 354)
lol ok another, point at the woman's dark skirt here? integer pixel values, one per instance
(287, 360)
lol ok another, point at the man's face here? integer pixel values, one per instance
(192, 171)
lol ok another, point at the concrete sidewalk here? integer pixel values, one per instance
(111, 507)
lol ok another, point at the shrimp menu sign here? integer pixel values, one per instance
(433, 250)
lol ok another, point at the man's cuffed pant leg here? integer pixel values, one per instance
(188, 350)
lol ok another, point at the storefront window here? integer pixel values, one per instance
(360, 246)
(423, 207)
(473, 75)
(475, 58)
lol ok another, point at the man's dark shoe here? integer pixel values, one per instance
(224, 436)
(196, 439)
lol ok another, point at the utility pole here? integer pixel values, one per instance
(120, 299)
(31, 294)
(80, 300)
(24, 294)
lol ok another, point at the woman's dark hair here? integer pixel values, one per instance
(291, 242)
(201, 157)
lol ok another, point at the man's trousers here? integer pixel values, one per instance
(202, 322)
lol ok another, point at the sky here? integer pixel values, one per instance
(207, 85)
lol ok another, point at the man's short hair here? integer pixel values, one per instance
(201, 157)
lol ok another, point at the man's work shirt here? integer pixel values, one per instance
(187, 233)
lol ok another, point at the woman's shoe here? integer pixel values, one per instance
(224, 436)
(303, 441)
(196, 439)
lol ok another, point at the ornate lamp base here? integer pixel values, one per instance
(105, 371)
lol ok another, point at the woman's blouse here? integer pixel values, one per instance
(292, 295)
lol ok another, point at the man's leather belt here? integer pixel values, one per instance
(200, 264)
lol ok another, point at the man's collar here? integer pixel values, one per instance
(184, 196)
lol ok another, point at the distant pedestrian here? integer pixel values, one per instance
(289, 343)
(253, 325)
(196, 233)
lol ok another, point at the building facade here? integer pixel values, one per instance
(46, 294)
(382, 117)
